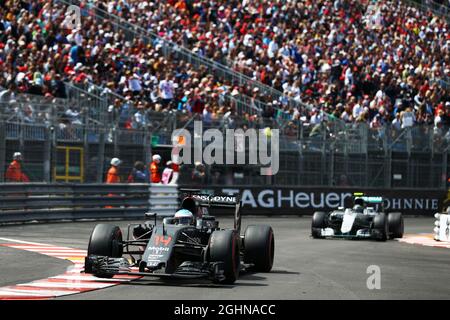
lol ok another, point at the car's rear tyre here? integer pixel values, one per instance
(224, 247)
(380, 224)
(105, 240)
(395, 225)
(259, 244)
(318, 223)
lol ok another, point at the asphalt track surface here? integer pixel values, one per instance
(304, 268)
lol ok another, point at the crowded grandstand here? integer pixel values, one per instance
(306, 67)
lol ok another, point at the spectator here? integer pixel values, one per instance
(167, 173)
(397, 123)
(407, 118)
(166, 89)
(140, 118)
(316, 117)
(113, 172)
(138, 175)
(14, 172)
(207, 116)
(216, 178)
(8, 94)
(73, 115)
(155, 175)
(198, 174)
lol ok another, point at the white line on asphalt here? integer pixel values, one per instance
(68, 284)
(88, 278)
(26, 242)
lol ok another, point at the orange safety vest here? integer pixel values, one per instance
(155, 177)
(14, 173)
(113, 175)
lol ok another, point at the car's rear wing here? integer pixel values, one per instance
(368, 199)
(216, 201)
(372, 199)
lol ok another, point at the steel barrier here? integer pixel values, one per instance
(163, 199)
(44, 202)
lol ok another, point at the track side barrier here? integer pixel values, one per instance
(163, 199)
(43, 202)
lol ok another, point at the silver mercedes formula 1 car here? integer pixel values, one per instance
(364, 218)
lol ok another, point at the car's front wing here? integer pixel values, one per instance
(331, 233)
(107, 266)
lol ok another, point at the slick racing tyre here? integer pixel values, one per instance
(259, 245)
(224, 247)
(395, 225)
(105, 240)
(317, 224)
(380, 226)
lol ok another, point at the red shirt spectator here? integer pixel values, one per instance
(14, 172)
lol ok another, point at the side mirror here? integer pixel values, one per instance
(151, 215)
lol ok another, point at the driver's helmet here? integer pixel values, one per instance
(358, 208)
(359, 201)
(184, 216)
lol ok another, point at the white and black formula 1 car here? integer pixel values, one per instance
(364, 218)
(187, 245)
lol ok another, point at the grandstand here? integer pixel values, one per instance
(358, 89)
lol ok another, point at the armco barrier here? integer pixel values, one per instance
(55, 202)
(163, 199)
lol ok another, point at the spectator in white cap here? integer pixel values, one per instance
(14, 172)
(155, 175)
(113, 172)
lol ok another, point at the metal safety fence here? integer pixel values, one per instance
(328, 153)
(321, 155)
(45, 202)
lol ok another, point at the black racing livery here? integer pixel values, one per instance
(171, 249)
(364, 217)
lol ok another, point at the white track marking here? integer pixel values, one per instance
(424, 240)
(8, 294)
(37, 292)
(50, 248)
(51, 251)
(62, 255)
(66, 284)
(72, 281)
(87, 278)
(25, 242)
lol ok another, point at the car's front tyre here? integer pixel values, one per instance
(380, 227)
(224, 247)
(105, 240)
(317, 224)
(396, 225)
